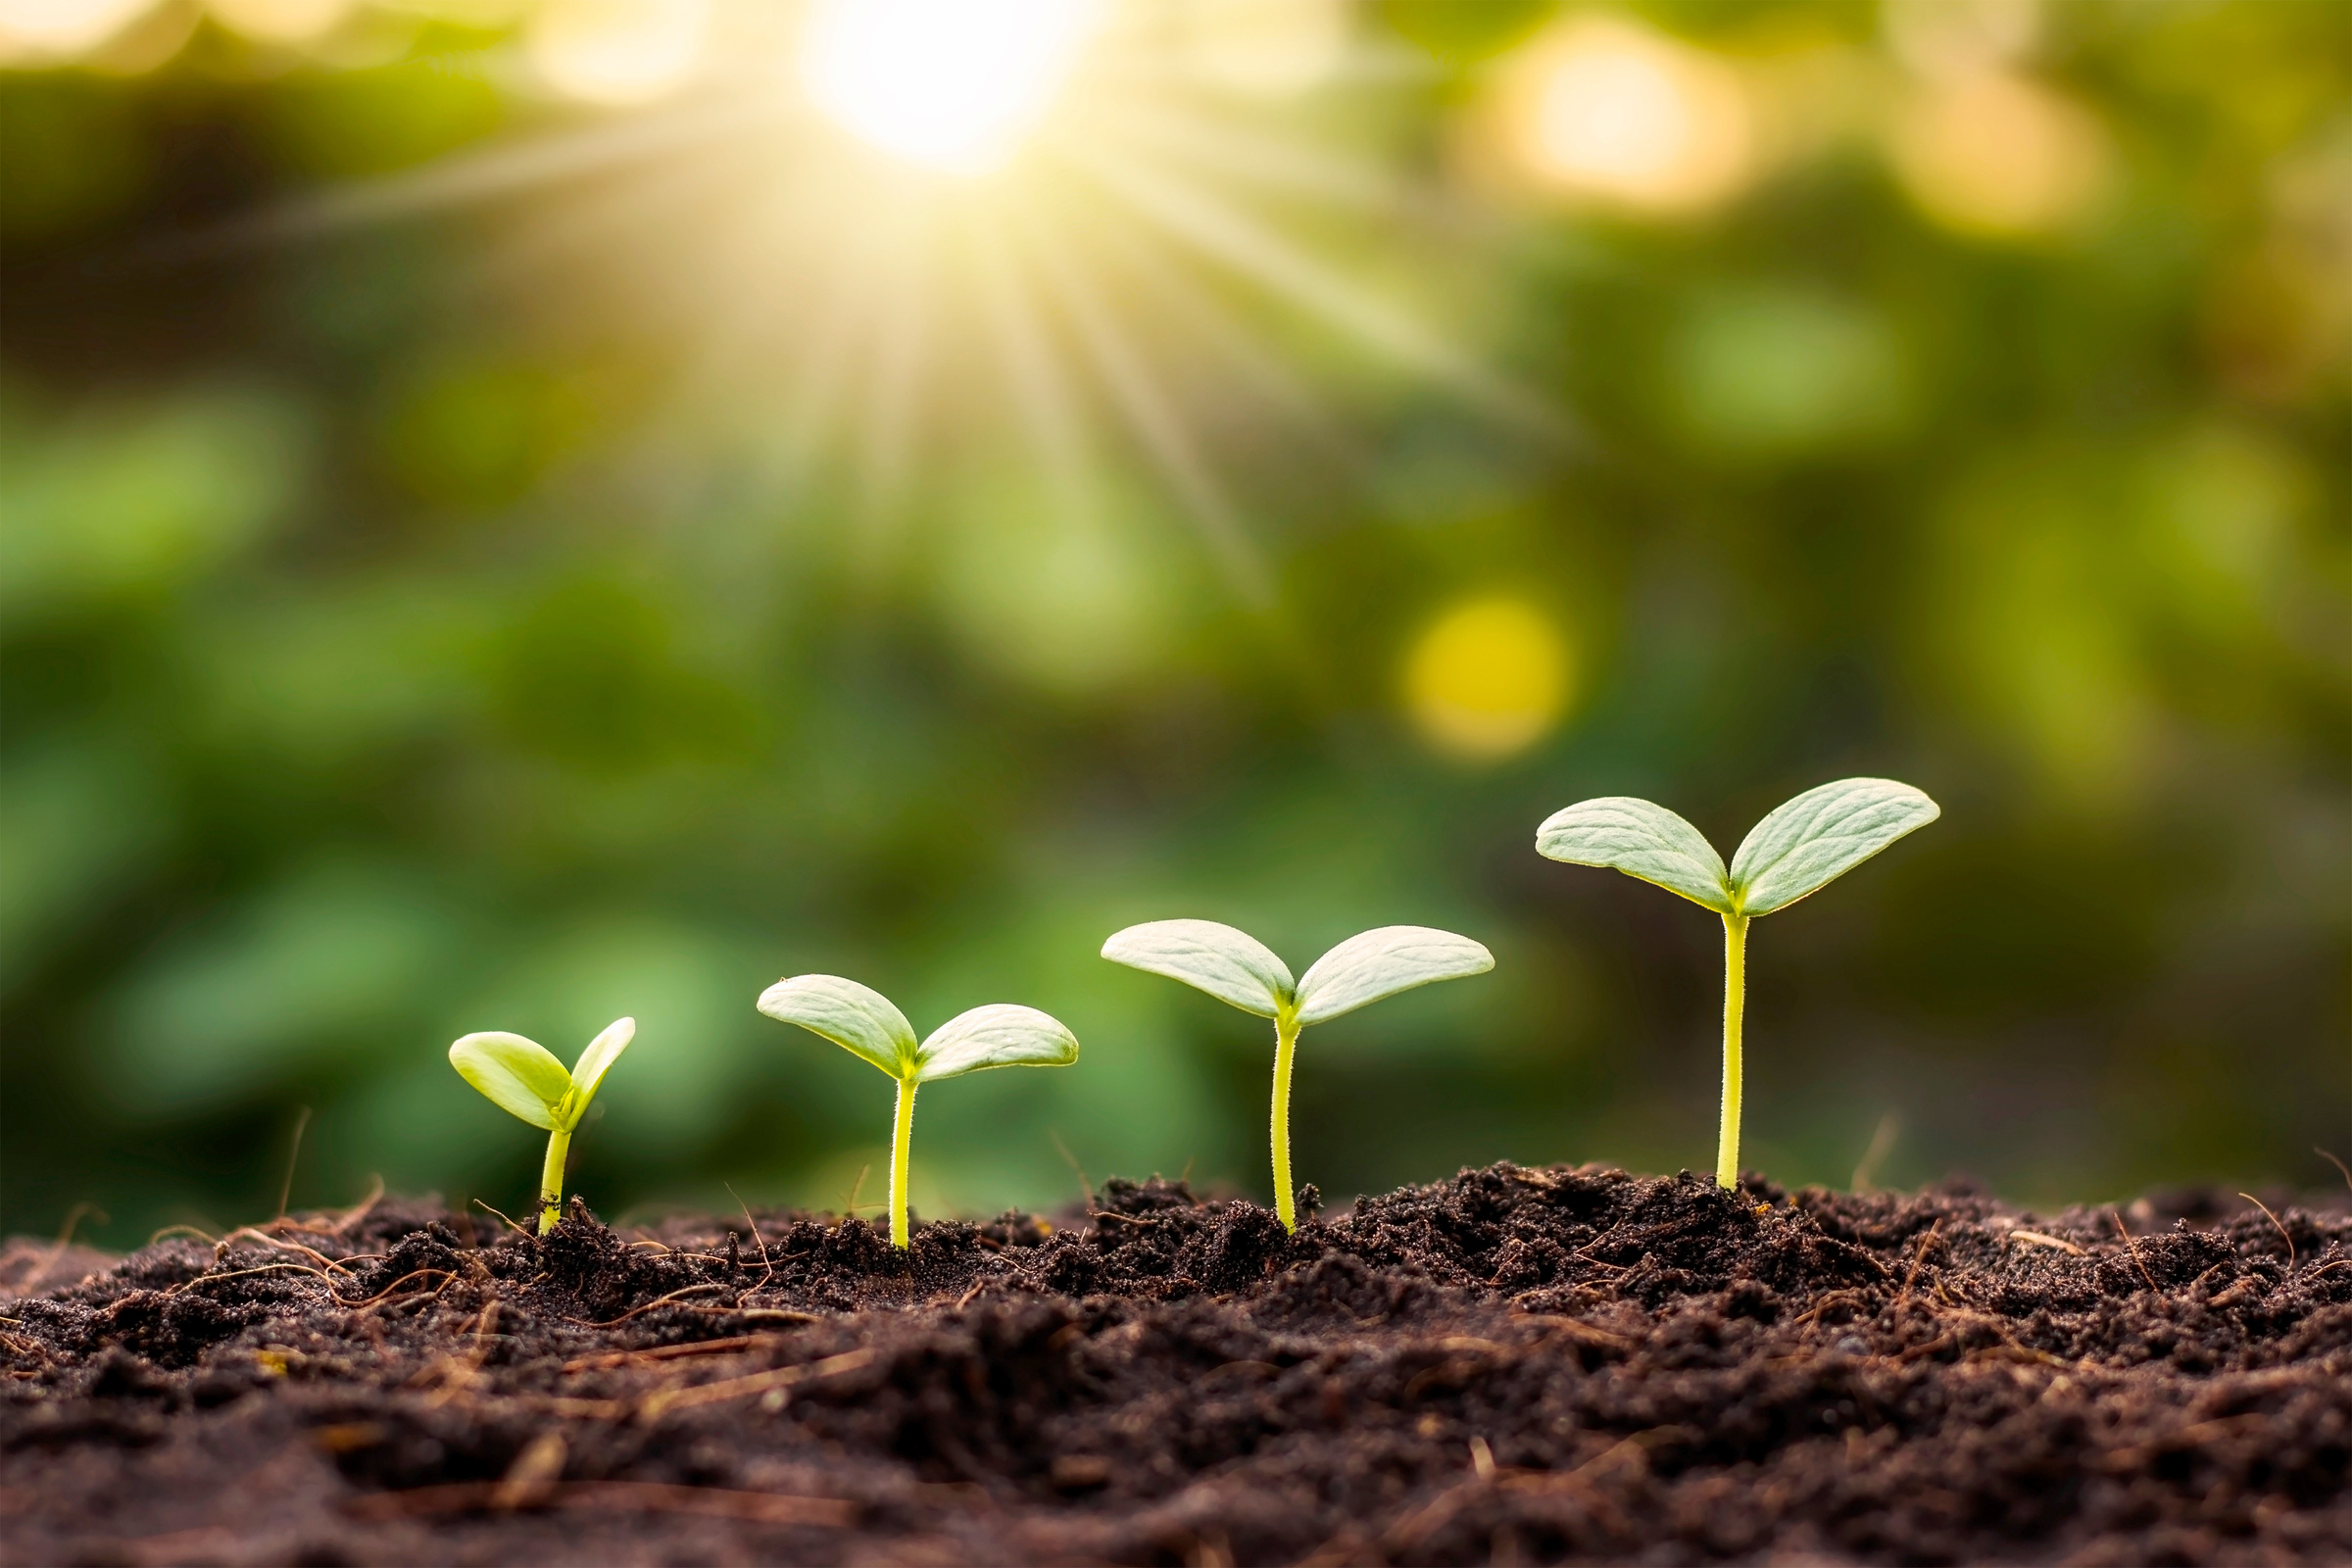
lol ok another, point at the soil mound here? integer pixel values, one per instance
(1512, 1366)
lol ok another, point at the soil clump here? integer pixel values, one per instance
(1516, 1365)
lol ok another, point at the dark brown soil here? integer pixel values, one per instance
(1513, 1366)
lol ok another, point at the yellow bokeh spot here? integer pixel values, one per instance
(1267, 48)
(1489, 677)
(1604, 109)
(1947, 40)
(281, 21)
(41, 31)
(617, 52)
(1998, 154)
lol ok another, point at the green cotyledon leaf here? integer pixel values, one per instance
(1820, 836)
(1231, 966)
(589, 1071)
(1642, 839)
(1000, 1035)
(520, 1076)
(858, 1018)
(1373, 964)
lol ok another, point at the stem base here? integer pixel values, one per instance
(1286, 1041)
(901, 1137)
(1734, 1005)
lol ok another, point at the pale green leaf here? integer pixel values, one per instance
(521, 1077)
(1820, 836)
(1643, 840)
(602, 1052)
(1373, 964)
(1231, 966)
(859, 1020)
(1000, 1035)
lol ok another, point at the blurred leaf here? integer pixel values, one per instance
(1774, 371)
(282, 984)
(588, 676)
(1460, 32)
(1075, 588)
(132, 500)
(81, 820)
(72, 150)
(482, 434)
(373, 122)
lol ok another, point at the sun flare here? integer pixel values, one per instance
(951, 84)
(1116, 287)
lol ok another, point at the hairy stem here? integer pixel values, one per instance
(1734, 1004)
(1285, 1038)
(551, 1179)
(900, 1141)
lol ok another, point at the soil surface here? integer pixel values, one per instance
(1512, 1366)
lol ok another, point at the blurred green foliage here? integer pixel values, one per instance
(400, 640)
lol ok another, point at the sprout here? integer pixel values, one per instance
(1802, 845)
(1235, 967)
(863, 1023)
(524, 1079)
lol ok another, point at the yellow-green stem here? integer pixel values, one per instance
(899, 1140)
(1285, 1038)
(551, 1179)
(1734, 1002)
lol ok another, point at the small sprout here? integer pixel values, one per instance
(1235, 967)
(862, 1022)
(524, 1079)
(1804, 844)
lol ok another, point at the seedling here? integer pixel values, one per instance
(523, 1078)
(1804, 844)
(862, 1022)
(1235, 967)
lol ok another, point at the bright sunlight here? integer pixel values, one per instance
(949, 84)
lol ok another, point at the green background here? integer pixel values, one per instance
(428, 612)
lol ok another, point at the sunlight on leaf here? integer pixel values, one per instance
(1231, 966)
(859, 1020)
(1643, 840)
(1373, 964)
(1000, 1035)
(518, 1076)
(1820, 836)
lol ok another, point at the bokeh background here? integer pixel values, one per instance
(524, 511)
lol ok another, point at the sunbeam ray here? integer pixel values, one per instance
(831, 305)
(1205, 320)
(1274, 161)
(1158, 429)
(894, 384)
(1041, 390)
(500, 170)
(1217, 229)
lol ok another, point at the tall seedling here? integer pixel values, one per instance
(1802, 845)
(523, 1078)
(1235, 967)
(862, 1022)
